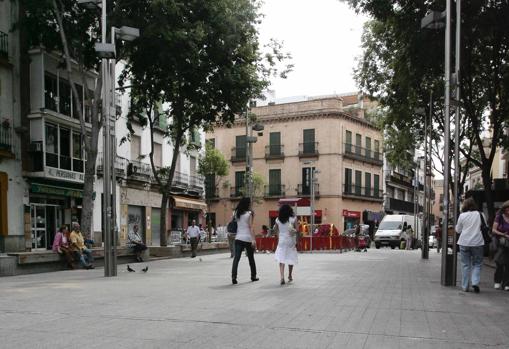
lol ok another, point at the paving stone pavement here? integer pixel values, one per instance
(380, 299)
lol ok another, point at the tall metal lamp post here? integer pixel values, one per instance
(106, 51)
(434, 20)
(250, 139)
(312, 195)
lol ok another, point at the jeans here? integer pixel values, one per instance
(239, 247)
(85, 261)
(471, 261)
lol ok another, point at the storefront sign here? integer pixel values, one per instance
(50, 190)
(56, 173)
(351, 214)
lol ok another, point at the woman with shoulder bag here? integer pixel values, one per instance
(501, 232)
(244, 239)
(471, 244)
(286, 251)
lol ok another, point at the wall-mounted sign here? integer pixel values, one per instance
(57, 173)
(50, 190)
(351, 214)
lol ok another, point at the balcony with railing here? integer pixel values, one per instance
(238, 154)
(121, 165)
(401, 206)
(180, 181)
(305, 190)
(237, 191)
(196, 184)
(355, 152)
(4, 45)
(274, 151)
(275, 190)
(308, 149)
(6, 141)
(367, 193)
(139, 170)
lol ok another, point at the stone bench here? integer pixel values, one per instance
(49, 256)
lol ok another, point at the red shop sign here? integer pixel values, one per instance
(351, 214)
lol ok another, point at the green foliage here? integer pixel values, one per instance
(402, 64)
(213, 163)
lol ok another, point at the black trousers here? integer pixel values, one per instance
(502, 274)
(194, 246)
(239, 247)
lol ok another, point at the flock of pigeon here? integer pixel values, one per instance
(131, 270)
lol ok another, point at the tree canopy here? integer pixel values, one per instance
(402, 63)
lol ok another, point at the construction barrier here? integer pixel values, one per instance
(318, 243)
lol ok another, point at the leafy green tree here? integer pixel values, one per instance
(201, 60)
(401, 64)
(62, 27)
(213, 166)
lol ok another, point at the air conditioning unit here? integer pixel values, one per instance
(35, 147)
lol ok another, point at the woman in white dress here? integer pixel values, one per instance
(286, 252)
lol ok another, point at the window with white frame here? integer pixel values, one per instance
(64, 148)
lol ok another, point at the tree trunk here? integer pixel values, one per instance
(488, 194)
(163, 234)
(209, 222)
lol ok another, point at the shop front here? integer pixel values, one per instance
(52, 205)
(351, 219)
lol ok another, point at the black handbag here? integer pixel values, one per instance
(485, 230)
(232, 226)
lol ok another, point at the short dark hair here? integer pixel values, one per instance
(285, 212)
(469, 205)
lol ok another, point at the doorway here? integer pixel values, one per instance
(45, 221)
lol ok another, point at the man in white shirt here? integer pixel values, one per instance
(193, 232)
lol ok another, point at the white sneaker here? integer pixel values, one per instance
(498, 286)
(506, 288)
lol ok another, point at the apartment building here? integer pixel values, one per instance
(331, 135)
(12, 185)
(138, 200)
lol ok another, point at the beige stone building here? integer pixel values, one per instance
(332, 135)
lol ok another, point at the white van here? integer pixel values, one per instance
(390, 230)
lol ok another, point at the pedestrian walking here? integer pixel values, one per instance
(245, 238)
(409, 237)
(501, 232)
(193, 233)
(471, 245)
(286, 251)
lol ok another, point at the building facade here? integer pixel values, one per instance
(12, 184)
(330, 135)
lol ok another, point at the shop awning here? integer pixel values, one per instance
(188, 203)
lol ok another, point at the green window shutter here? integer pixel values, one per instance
(367, 184)
(377, 150)
(358, 182)
(275, 143)
(239, 182)
(309, 141)
(348, 180)
(348, 142)
(240, 146)
(376, 186)
(368, 147)
(358, 143)
(274, 182)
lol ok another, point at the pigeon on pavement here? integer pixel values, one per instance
(145, 269)
(129, 269)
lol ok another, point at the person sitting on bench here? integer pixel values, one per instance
(134, 241)
(61, 245)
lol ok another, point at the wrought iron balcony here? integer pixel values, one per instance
(121, 165)
(305, 190)
(352, 190)
(362, 154)
(274, 151)
(238, 154)
(275, 190)
(139, 170)
(396, 205)
(6, 140)
(237, 191)
(308, 149)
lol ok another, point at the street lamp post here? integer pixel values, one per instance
(250, 139)
(312, 203)
(433, 21)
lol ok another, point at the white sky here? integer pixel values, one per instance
(323, 37)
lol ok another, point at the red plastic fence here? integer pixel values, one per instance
(319, 243)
